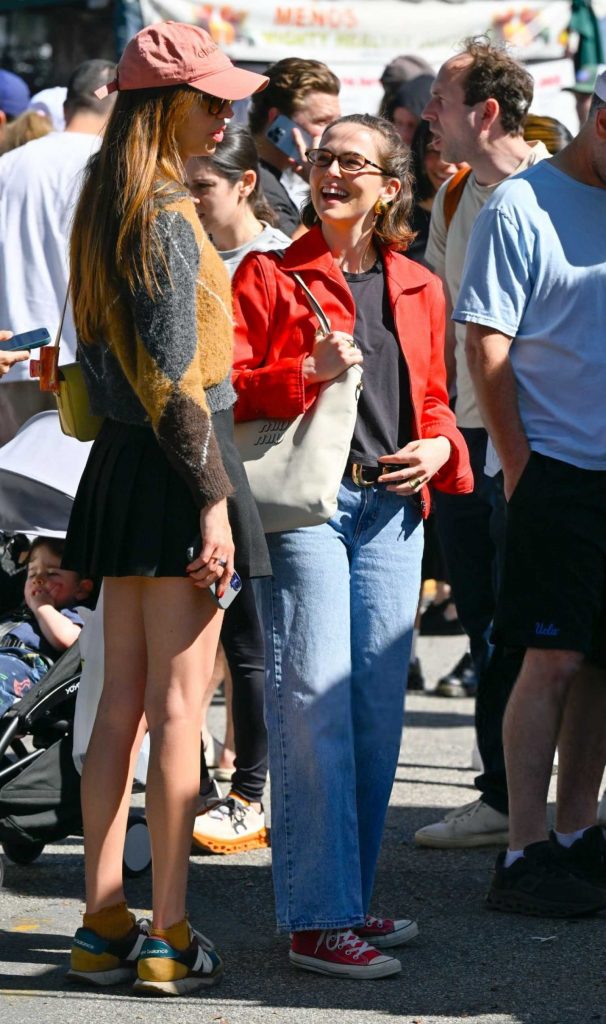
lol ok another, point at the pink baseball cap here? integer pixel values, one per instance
(172, 53)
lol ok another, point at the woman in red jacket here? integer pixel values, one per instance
(339, 611)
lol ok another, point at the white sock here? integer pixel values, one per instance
(568, 838)
(512, 856)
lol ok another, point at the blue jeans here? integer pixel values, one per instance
(338, 616)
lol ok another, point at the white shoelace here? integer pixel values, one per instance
(351, 944)
(371, 921)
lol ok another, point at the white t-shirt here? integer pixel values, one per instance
(39, 186)
(445, 253)
(536, 272)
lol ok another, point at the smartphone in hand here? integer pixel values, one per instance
(27, 340)
(235, 584)
(280, 133)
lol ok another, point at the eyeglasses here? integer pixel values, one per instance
(215, 104)
(348, 162)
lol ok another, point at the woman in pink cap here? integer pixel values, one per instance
(152, 308)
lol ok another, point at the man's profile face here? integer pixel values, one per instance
(316, 111)
(452, 122)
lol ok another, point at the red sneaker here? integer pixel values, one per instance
(382, 932)
(342, 952)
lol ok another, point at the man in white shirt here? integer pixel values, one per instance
(39, 184)
(479, 101)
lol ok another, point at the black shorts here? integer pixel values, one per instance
(553, 587)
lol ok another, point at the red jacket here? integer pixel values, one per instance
(274, 332)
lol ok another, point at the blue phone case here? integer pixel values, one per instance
(25, 341)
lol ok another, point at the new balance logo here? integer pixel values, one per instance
(542, 630)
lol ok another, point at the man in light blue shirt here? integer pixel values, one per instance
(534, 298)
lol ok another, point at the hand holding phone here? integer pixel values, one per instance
(24, 342)
(280, 133)
(235, 583)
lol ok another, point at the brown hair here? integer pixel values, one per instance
(548, 130)
(113, 245)
(290, 81)
(28, 126)
(392, 228)
(494, 74)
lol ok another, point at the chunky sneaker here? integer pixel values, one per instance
(231, 826)
(98, 961)
(340, 952)
(537, 884)
(383, 933)
(163, 970)
(474, 824)
(461, 681)
(586, 858)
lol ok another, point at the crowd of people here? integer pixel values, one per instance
(451, 248)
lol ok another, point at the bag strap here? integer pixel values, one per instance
(314, 304)
(453, 194)
(60, 327)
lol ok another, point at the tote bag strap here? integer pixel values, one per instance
(314, 305)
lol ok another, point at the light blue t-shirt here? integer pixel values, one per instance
(536, 271)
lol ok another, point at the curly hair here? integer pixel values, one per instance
(290, 81)
(494, 74)
(392, 228)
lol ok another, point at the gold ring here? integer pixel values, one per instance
(414, 483)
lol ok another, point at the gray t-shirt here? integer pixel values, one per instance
(536, 272)
(270, 238)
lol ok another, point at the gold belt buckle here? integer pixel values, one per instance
(357, 475)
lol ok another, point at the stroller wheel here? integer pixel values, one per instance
(137, 847)
(22, 852)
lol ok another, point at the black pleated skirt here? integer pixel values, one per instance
(133, 515)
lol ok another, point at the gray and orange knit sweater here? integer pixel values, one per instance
(166, 362)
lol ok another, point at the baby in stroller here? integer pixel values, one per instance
(32, 637)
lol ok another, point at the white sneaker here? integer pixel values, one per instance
(475, 824)
(231, 826)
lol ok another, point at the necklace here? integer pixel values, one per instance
(367, 262)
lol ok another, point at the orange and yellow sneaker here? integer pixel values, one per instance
(231, 826)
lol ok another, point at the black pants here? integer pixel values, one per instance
(472, 528)
(242, 639)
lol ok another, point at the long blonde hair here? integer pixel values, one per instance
(113, 245)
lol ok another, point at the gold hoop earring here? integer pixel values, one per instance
(381, 207)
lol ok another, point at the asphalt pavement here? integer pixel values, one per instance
(467, 965)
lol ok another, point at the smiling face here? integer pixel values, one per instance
(344, 199)
(454, 125)
(437, 170)
(200, 132)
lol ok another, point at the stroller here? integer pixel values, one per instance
(39, 783)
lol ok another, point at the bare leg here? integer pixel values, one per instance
(530, 733)
(582, 750)
(182, 627)
(115, 741)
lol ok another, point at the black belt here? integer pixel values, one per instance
(366, 476)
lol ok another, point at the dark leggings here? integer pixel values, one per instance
(242, 639)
